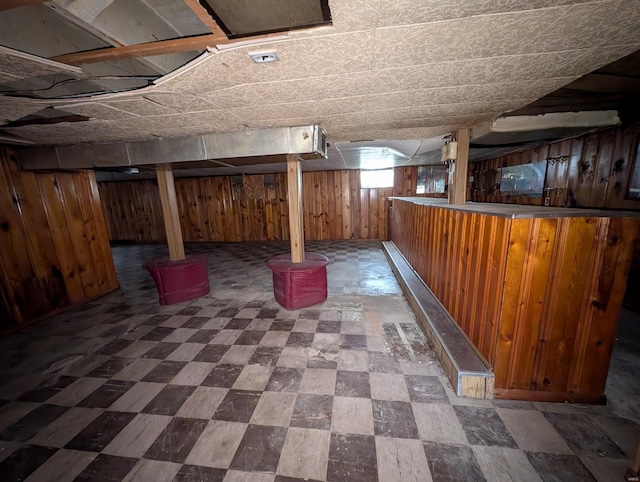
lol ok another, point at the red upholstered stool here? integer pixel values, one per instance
(298, 285)
(180, 280)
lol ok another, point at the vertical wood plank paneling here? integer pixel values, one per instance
(54, 248)
(79, 239)
(211, 209)
(595, 175)
(538, 297)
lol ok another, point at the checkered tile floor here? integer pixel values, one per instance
(233, 387)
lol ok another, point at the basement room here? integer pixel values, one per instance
(319, 240)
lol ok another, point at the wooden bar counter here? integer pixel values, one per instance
(537, 290)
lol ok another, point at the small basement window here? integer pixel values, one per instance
(374, 179)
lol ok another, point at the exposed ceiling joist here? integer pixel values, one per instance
(147, 49)
(204, 16)
(115, 24)
(10, 4)
(161, 47)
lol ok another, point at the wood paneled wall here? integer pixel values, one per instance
(539, 298)
(213, 209)
(54, 245)
(596, 173)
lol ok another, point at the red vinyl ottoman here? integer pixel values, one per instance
(180, 280)
(298, 285)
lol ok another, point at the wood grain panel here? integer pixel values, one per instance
(54, 245)
(595, 174)
(539, 298)
(334, 207)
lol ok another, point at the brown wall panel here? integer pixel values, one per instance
(213, 209)
(54, 246)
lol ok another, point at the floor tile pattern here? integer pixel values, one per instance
(234, 387)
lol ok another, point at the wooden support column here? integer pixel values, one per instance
(458, 182)
(636, 461)
(170, 214)
(294, 193)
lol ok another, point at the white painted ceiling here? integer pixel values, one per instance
(387, 70)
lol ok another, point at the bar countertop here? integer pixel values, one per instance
(515, 211)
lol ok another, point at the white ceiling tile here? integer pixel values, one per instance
(467, 38)
(450, 95)
(16, 64)
(408, 123)
(139, 106)
(317, 108)
(315, 88)
(408, 133)
(445, 110)
(311, 57)
(439, 74)
(407, 12)
(543, 87)
(180, 102)
(586, 26)
(628, 37)
(238, 96)
(99, 111)
(595, 58)
(14, 108)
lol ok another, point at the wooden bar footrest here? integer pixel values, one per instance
(467, 370)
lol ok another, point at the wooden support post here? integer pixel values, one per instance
(636, 460)
(458, 186)
(294, 193)
(169, 203)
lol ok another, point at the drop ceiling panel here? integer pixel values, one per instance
(315, 88)
(140, 107)
(95, 110)
(629, 37)
(181, 102)
(312, 57)
(438, 74)
(319, 109)
(389, 69)
(586, 26)
(407, 12)
(444, 110)
(16, 65)
(450, 95)
(595, 58)
(468, 38)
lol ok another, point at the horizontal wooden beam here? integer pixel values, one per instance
(11, 4)
(159, 47)
(148, 49)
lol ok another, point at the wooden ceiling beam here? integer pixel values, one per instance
(11, 4)
(160, 47)
(147, 49)
(204, 17)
